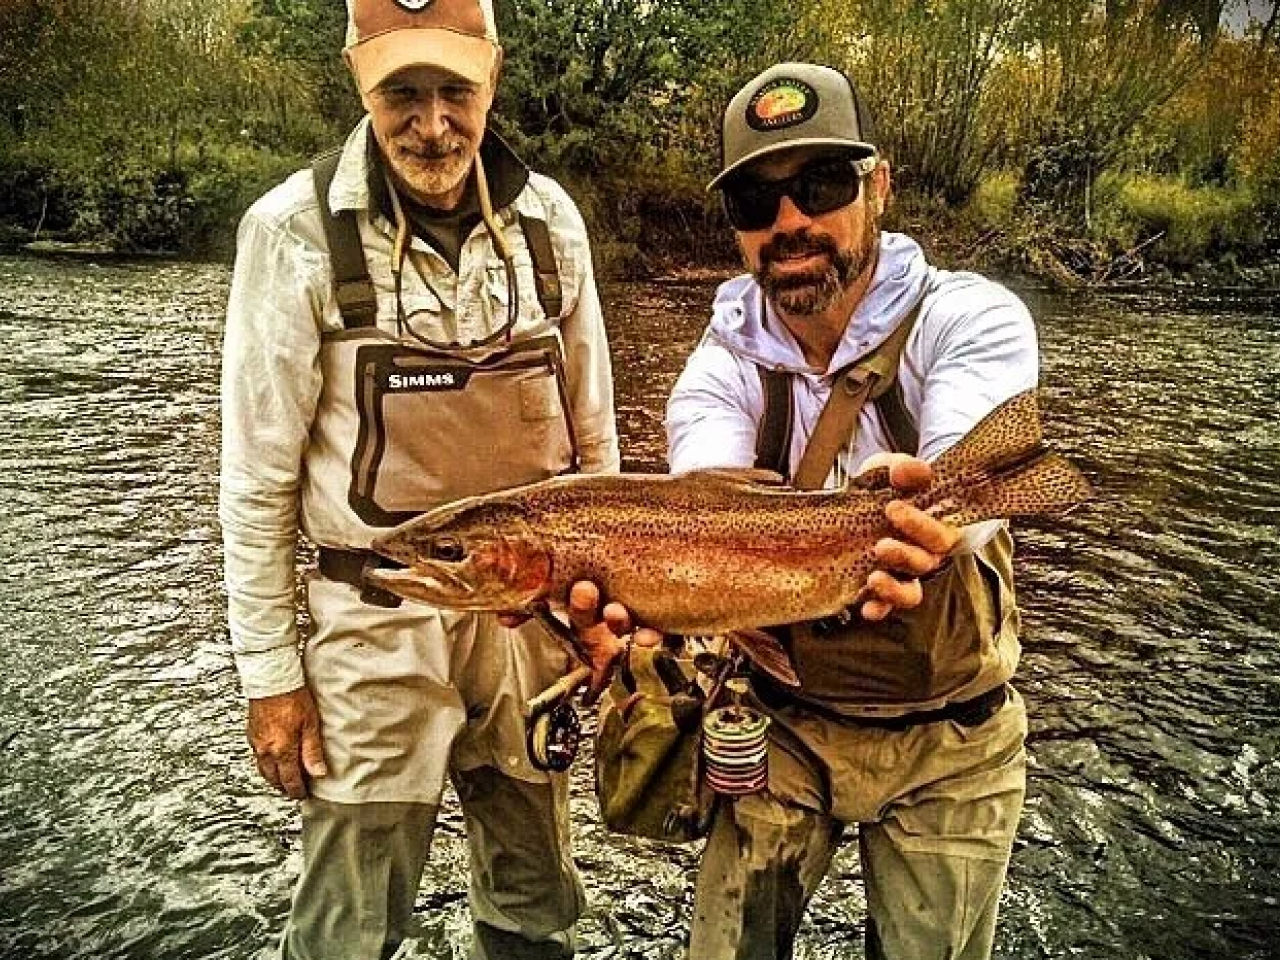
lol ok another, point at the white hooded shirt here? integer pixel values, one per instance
(973, 346)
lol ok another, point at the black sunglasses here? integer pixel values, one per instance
(818, 187)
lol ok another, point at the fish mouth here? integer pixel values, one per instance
(430, 583)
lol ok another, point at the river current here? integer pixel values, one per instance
(134, 825)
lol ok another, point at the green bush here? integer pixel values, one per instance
(132, 206)
(1192, 223)
(36, 190)
(993, 201)
(221, 186)
(189, 203)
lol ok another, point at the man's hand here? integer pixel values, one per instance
(601, 634)
(284, 732)
(922, 545)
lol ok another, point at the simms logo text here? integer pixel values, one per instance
(426, 380)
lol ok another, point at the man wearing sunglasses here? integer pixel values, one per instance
(904, 727)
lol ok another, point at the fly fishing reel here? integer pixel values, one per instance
(553, 737)
(553, 730)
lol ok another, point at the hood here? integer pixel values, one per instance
(741, 322)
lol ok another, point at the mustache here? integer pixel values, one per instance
(801, 241)
(436, 149)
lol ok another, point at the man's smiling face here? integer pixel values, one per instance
(429, 124)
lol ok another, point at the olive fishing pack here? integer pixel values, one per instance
(648, 749)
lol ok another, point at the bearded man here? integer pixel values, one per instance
(904, 726)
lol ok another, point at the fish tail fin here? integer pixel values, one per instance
(1007, 435)
(1047, 483)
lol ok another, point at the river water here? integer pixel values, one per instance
(133, 824)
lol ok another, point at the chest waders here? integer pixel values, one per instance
(404, 425)
(948, 657)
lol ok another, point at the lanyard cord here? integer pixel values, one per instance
(400, 251)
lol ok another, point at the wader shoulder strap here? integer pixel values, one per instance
(873, 378)
(886, 394)
(545, 275)
(357, 300)
(897, 421)
(835, 427)
(773, 442)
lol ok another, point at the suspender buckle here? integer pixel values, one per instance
(357, 302)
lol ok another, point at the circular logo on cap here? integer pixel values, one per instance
(781, 103)
(414, 5)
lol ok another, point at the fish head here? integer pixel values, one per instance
(477, 554)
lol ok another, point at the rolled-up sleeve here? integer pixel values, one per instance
(270, 387)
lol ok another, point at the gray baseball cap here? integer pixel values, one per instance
(792, 105)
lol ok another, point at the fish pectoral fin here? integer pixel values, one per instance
(764, 650)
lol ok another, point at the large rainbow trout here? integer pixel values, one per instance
(711, 552)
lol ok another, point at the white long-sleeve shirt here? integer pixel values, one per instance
(282, 302)
(972, 347)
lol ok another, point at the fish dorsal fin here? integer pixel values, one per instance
(877, 478)
(752, 475)
(1007, 435)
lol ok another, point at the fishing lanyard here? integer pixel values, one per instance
(400, 252)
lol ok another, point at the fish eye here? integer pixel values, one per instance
(448, 549)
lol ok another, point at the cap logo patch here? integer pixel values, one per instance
(781, 103)
(414, 5)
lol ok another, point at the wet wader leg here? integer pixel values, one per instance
(933, 906)
(361, 867)
(935, 864)
(762, 863)
(525, 895)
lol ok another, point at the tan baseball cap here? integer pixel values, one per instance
(384, 36)
(792, 105)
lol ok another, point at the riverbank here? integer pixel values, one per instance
(653, 237)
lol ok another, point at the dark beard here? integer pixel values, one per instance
(810, 293)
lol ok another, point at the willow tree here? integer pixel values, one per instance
(926, 67)
(1105, 68)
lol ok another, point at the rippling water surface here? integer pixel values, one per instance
(133, 825)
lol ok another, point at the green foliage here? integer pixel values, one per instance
(928, 71)
(296, 43)
(591, 84)
(1191, 223)
(1067, 119)
(994, 201)
(36, 189)
(1107, 69)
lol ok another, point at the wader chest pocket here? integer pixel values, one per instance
(436, 427)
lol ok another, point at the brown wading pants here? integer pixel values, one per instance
(936, 806)
(408, 696)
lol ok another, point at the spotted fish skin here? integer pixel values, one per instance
(710, 552)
